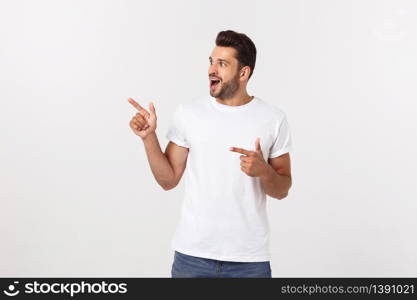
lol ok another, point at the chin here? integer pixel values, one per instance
(215, 94)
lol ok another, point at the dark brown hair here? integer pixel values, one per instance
(245, 48)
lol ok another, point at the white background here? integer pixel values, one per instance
(77, 194)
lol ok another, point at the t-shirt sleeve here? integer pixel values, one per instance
(282, 139)
(176, 131)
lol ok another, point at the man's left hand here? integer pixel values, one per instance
(252, 162)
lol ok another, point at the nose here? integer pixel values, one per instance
(212, 69)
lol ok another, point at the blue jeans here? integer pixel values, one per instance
(191, 266)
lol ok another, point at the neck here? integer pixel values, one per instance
(239, 98)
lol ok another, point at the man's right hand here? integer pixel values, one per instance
(144, 122)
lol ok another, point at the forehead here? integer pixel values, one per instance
(225, 53)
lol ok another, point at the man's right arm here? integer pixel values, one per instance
(168, 167)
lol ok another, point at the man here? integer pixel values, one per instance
(234, 149)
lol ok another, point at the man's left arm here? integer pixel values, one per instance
(275, 174)
(276, 178)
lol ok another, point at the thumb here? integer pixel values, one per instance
(152, 108)
(258, 145)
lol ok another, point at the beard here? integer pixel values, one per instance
(227, 90)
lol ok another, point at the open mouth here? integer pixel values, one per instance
(214, 83)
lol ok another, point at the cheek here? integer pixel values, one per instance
(225, 73)
(224, 76)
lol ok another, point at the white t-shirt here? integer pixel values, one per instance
(223, 214)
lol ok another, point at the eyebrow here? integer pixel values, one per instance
(220, 59)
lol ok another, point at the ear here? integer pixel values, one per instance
(244, 73)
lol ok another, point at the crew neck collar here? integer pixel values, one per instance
(225, 107)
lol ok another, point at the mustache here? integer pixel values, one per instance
(212, 77)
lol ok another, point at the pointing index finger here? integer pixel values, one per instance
(240, 150)
(138, 107)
